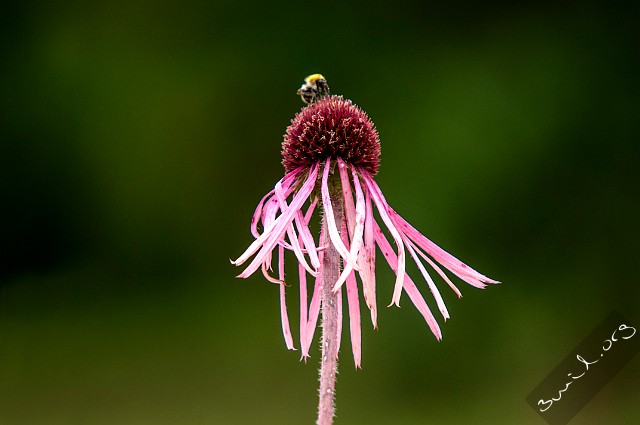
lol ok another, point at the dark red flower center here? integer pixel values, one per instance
(331, 127)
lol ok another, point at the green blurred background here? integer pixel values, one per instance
(138, 136)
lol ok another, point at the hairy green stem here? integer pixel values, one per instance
(330, 317)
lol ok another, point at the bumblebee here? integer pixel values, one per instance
(315, 86)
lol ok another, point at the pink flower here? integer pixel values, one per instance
(332, 145)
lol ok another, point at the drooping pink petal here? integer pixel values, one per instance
(437, 269)
(358, 233)
(347, 197)
(267, 276)
(306, 240)
(305, 335)
(292, 233)
(302, 223)
(354, 309)
(456, 266)
(331, 221)
(367, 259)
(257, 215)
(286, 182)
(270, 214)
(339, 333)
(281, 263)
(276, 230)
(356, 242)
(284, 317)
(269, 225)
(303, 310)
(306, 220)
(286, 330)
(314, 307)
(314, 313)
(382, 206)
(266, 263)
(432, 286)
(268, 206)
(270, 211)
(310, 210)
(409, 286)
(305, 225)
(349, 208)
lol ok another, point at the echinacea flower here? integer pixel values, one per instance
(331, 152)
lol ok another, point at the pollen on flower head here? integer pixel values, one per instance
(331, 127)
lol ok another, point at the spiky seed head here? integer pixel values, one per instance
(331, 127)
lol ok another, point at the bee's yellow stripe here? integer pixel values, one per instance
(313, 78)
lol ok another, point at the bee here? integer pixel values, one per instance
(315, 86)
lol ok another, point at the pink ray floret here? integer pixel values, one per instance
(359, 236)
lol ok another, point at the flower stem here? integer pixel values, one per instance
(330, 317)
